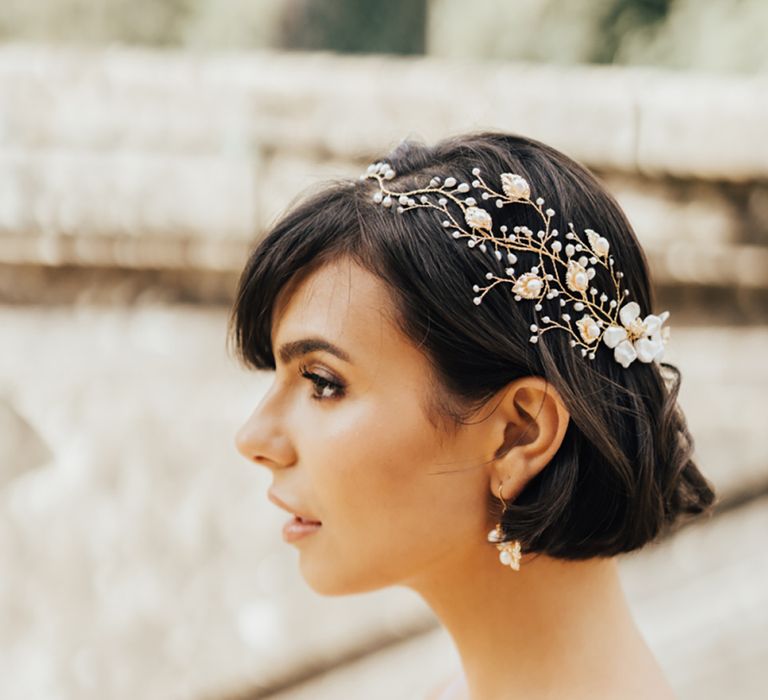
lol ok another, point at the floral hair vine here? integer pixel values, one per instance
(604, 316)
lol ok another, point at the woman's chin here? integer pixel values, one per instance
(328, 579)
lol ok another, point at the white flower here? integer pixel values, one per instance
(576, 277)
(478, 218)
(515, 186)
(598, 244)
(635, 338)
(528, 285)
(588, 328)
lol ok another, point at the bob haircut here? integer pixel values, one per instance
(624, 473)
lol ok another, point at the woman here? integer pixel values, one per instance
(469, 400)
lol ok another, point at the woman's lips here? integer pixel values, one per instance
(296, 528)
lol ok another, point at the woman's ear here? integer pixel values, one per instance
(525, 430)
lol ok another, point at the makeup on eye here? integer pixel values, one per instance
(323, 384)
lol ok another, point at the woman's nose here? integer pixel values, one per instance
(260, 440)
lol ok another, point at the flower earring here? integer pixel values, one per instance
(509, 552)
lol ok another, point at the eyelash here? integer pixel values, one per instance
(322, 383)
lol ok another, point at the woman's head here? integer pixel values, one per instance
(446, 399)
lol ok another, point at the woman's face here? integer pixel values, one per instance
(353, 446)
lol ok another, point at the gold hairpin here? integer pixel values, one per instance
(606, 317)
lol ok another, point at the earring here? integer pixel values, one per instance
(509, 552)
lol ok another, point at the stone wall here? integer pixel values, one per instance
(140, 557)
(134, 160)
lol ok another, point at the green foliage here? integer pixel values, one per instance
(716, 35)
(622, 17)
(96, 23)
(355, 26)
(395, 26)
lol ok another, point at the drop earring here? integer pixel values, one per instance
(509, 552)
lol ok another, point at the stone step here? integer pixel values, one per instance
(132, 145)
(724, 394)
(733, 268)
(131, 198)
(631, 119)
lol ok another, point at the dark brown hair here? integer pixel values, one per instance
(624, 473)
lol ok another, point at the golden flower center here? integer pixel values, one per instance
(636, 329)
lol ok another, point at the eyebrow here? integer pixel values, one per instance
(296, 348)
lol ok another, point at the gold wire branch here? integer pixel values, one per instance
(603, 316)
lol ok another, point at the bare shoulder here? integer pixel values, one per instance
(452, 688)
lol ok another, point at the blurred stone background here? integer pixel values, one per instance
(144, 147)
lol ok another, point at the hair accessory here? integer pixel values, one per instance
(588, 314)
(509, 552)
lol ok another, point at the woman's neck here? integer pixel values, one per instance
(553, 627)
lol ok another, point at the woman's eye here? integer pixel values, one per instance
(324, 388)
